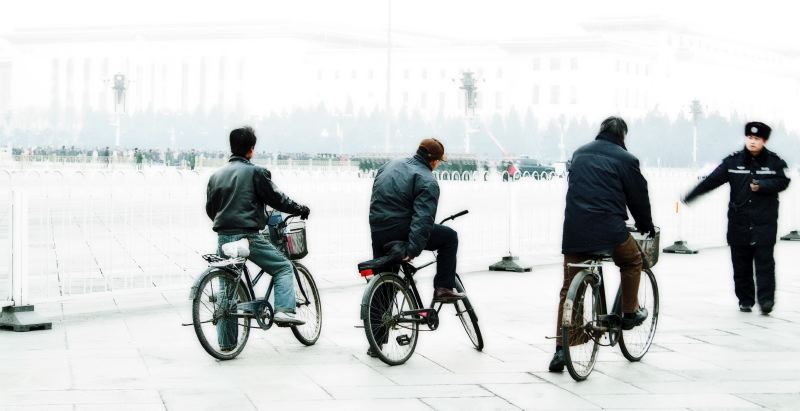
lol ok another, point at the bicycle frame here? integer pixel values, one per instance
(250, 284)
(610, 323)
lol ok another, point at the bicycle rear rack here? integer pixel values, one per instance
(215, 260)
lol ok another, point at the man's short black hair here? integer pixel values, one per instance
(242, 140)
(614, 126)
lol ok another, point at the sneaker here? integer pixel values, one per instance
(766, 307)
(745, 308)
(287, 319)
(630, 320)
(371, 352)
(557, 363)
(226, 349)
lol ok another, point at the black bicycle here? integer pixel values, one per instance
(391, 306)
(586, 323)
(224, 302)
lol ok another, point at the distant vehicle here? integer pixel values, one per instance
(534, 168)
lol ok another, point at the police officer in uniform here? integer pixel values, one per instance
(756, 176)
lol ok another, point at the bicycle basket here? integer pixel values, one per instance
(649, 246)
(296, 246)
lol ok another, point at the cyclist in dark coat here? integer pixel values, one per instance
(604, 182)
(236, 197)
(756, 176)
(405, 195)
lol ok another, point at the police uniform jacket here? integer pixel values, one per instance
(752, 216)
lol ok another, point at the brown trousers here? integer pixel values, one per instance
(627, 257)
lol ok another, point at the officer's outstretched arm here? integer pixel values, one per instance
(775, 184)
(717, 178)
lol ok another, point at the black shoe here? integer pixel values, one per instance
(745, 308)
(447, 295)
(557, 363)
(630, 320)
(371, 352)
(766, 307)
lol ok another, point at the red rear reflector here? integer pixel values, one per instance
(366, 273)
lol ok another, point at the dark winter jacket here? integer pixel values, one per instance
(752, 216)
(405, 195)
(604, 178)
(237, 195)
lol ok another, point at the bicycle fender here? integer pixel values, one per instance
(199, 278)
(365, 297)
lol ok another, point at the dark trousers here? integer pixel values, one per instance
(627, 257)
(443, 239)
(744, 259)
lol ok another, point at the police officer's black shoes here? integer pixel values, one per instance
(630, 320)
(745, 308)
(557, 363)
(766, 307)
(371, 352)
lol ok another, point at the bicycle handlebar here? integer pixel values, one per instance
(454, 216)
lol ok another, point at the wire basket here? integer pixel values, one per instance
(649, 246)
(296, 246)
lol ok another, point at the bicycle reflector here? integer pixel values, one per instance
(367, 272)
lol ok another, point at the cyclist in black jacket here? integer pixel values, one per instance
(236, 199)
(604, 183)
(756, 176)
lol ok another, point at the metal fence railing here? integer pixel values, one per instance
(101, 230)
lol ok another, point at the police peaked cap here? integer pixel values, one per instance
(757, 129)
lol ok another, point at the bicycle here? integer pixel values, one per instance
(586, 323)
(390, 306)
(224, 303)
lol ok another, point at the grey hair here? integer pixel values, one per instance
(615, 126)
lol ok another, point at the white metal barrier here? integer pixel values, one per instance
(103, 229)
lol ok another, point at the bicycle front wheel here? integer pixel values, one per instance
(220, 327)
(634, 343)
(579, 333)
(468, 317)
(391, 331)
(309, 308)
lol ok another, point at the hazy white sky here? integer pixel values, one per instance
(767, 22)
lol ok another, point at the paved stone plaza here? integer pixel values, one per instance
(128, 351)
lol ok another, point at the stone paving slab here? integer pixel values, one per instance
(128, 351)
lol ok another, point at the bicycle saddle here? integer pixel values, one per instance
(395, 252)
(601, 254)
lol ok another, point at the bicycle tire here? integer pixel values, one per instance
(470, 324)
(310, 311)
(580, 347)
(383, 291)
(203, 301)
(640, 338)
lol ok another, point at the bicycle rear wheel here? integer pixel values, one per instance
(309, 308)
(468, 317)
(385, 298)
(634, 343)
(221, 334)
(579, 335)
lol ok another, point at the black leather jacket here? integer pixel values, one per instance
(237, 195)
(405, 196)
(752, 216)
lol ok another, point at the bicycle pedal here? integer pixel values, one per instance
(403, 340)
